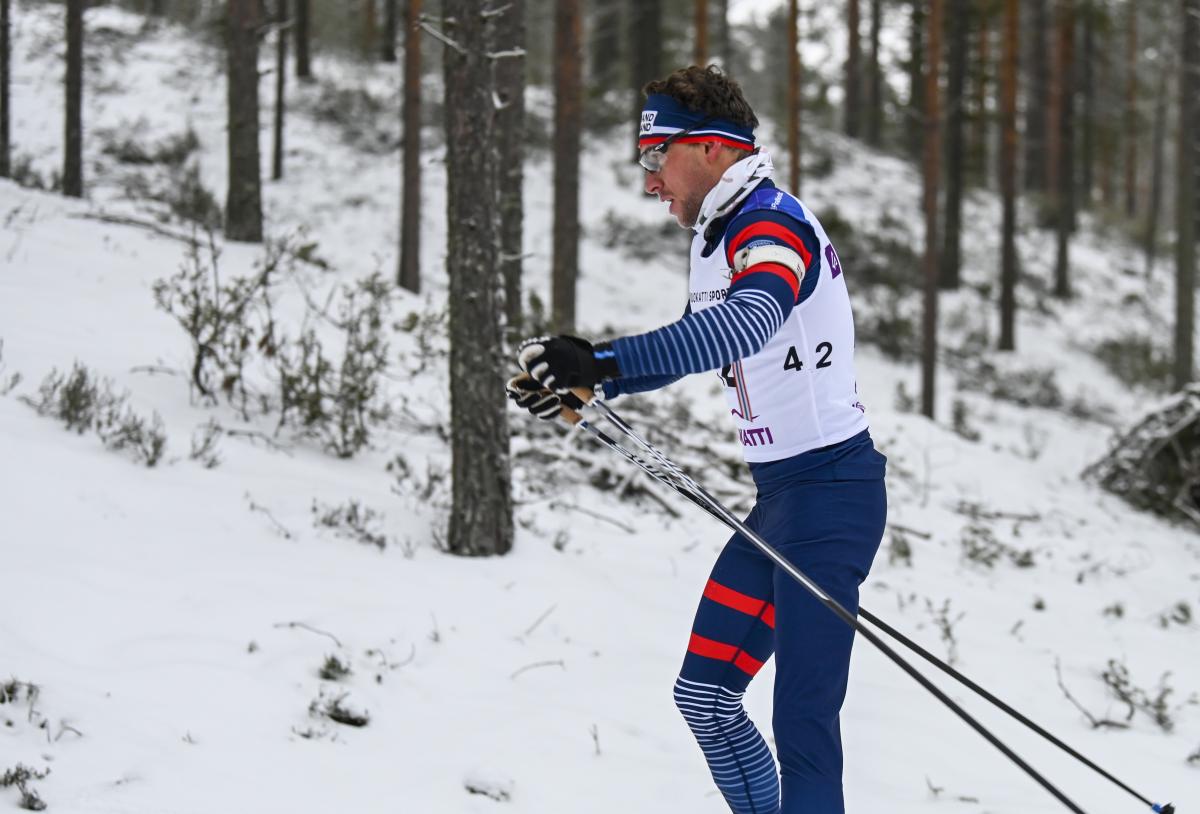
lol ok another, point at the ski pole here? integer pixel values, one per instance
(696, 494)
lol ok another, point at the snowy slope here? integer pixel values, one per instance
(175, 619)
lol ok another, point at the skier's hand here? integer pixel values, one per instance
(563, 362)
(528, 394)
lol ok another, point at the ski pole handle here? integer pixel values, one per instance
(571, 415)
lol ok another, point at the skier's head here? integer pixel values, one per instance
(699, 120)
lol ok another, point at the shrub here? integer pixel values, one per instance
(20, 776)
(1136, 361)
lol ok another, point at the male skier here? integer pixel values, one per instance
(769, 310)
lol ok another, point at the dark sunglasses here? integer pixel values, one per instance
(653, 158)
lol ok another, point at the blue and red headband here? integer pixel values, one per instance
(663, 116)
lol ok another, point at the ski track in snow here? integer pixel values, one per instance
(176, 635)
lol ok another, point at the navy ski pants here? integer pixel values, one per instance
(825, 512)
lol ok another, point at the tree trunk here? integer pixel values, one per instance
(700, 23)
(1008, 179)
(1186, 193)
(916, 79)
(1088, 89)
(1065, 159)
(976, 162)
(794, 99)
(481, 512)
(956, 85)
(5, 83)
(721, 30)
(370, 30)
(568, 120)
(1156, 167)
(72, 180)
(303, 66)
(510, 135)
(1131, 117)
(281, 38)
(387, 43)
(875, 80)
(1037, 99)
(932, 157)
(243, 205)
(646, 50)
(853, 69)
(605, 45)
(409, 273)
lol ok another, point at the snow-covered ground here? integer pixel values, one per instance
(175, 620)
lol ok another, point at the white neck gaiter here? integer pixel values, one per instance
(737, 182)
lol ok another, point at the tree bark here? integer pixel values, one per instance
(370, 30)
(932, 156)
(387, 43)
(303, 66)
(1008, 178)
(1186, 194)
(794, 98)
(568, 121)
(724, 43)
(281, 38)
(1088, 90)
(977, 161)
(605, 45)
(956, 86)
(72, 179)
(409, 273)
(875, 80)
(243, 205)
(510, 135)
(700, 24)
(1065, 158)
(1156, 167)
(853, 69)
(5, 84)
(645, 49)
(1037, 99)
(481, 512)
(1131, 117)
(916, 79)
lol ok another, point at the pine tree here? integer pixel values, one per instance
(794, 98)
(243, 207)
(281, 38)
(387, 43)
(409, 273)
(510, 135)
(1187, 191)
(303, 65)
(646, 53)
(1064, 147)
(72, 179)
(700, 25)
(1008, 178)
(875, 79)
(1159, 139)
(605, 46)
(1087, 146)
(916, 79)
(1037, 98)
(481, 520)
(1131, 112)
(932, 156)
(5, 82)
(853, 69)
(568, 123)
(956, 85)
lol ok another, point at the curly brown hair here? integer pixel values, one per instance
(707, 91)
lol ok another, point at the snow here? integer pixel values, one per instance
(175, 619)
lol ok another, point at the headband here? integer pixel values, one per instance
(663, 116)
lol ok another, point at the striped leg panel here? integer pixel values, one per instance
(738, 757)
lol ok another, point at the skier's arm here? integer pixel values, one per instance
(640, 384)
(764, 289)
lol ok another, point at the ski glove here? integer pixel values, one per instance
(563, 362)
(529, 394)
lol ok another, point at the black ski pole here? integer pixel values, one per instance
(696, 494)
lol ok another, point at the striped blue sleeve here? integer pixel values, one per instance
(756, 307)
(640, 384)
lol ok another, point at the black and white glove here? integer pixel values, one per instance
(528, 394)
(563, 362)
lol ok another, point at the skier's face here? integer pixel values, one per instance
(683, 180)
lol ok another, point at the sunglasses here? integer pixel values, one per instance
(653, 158)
